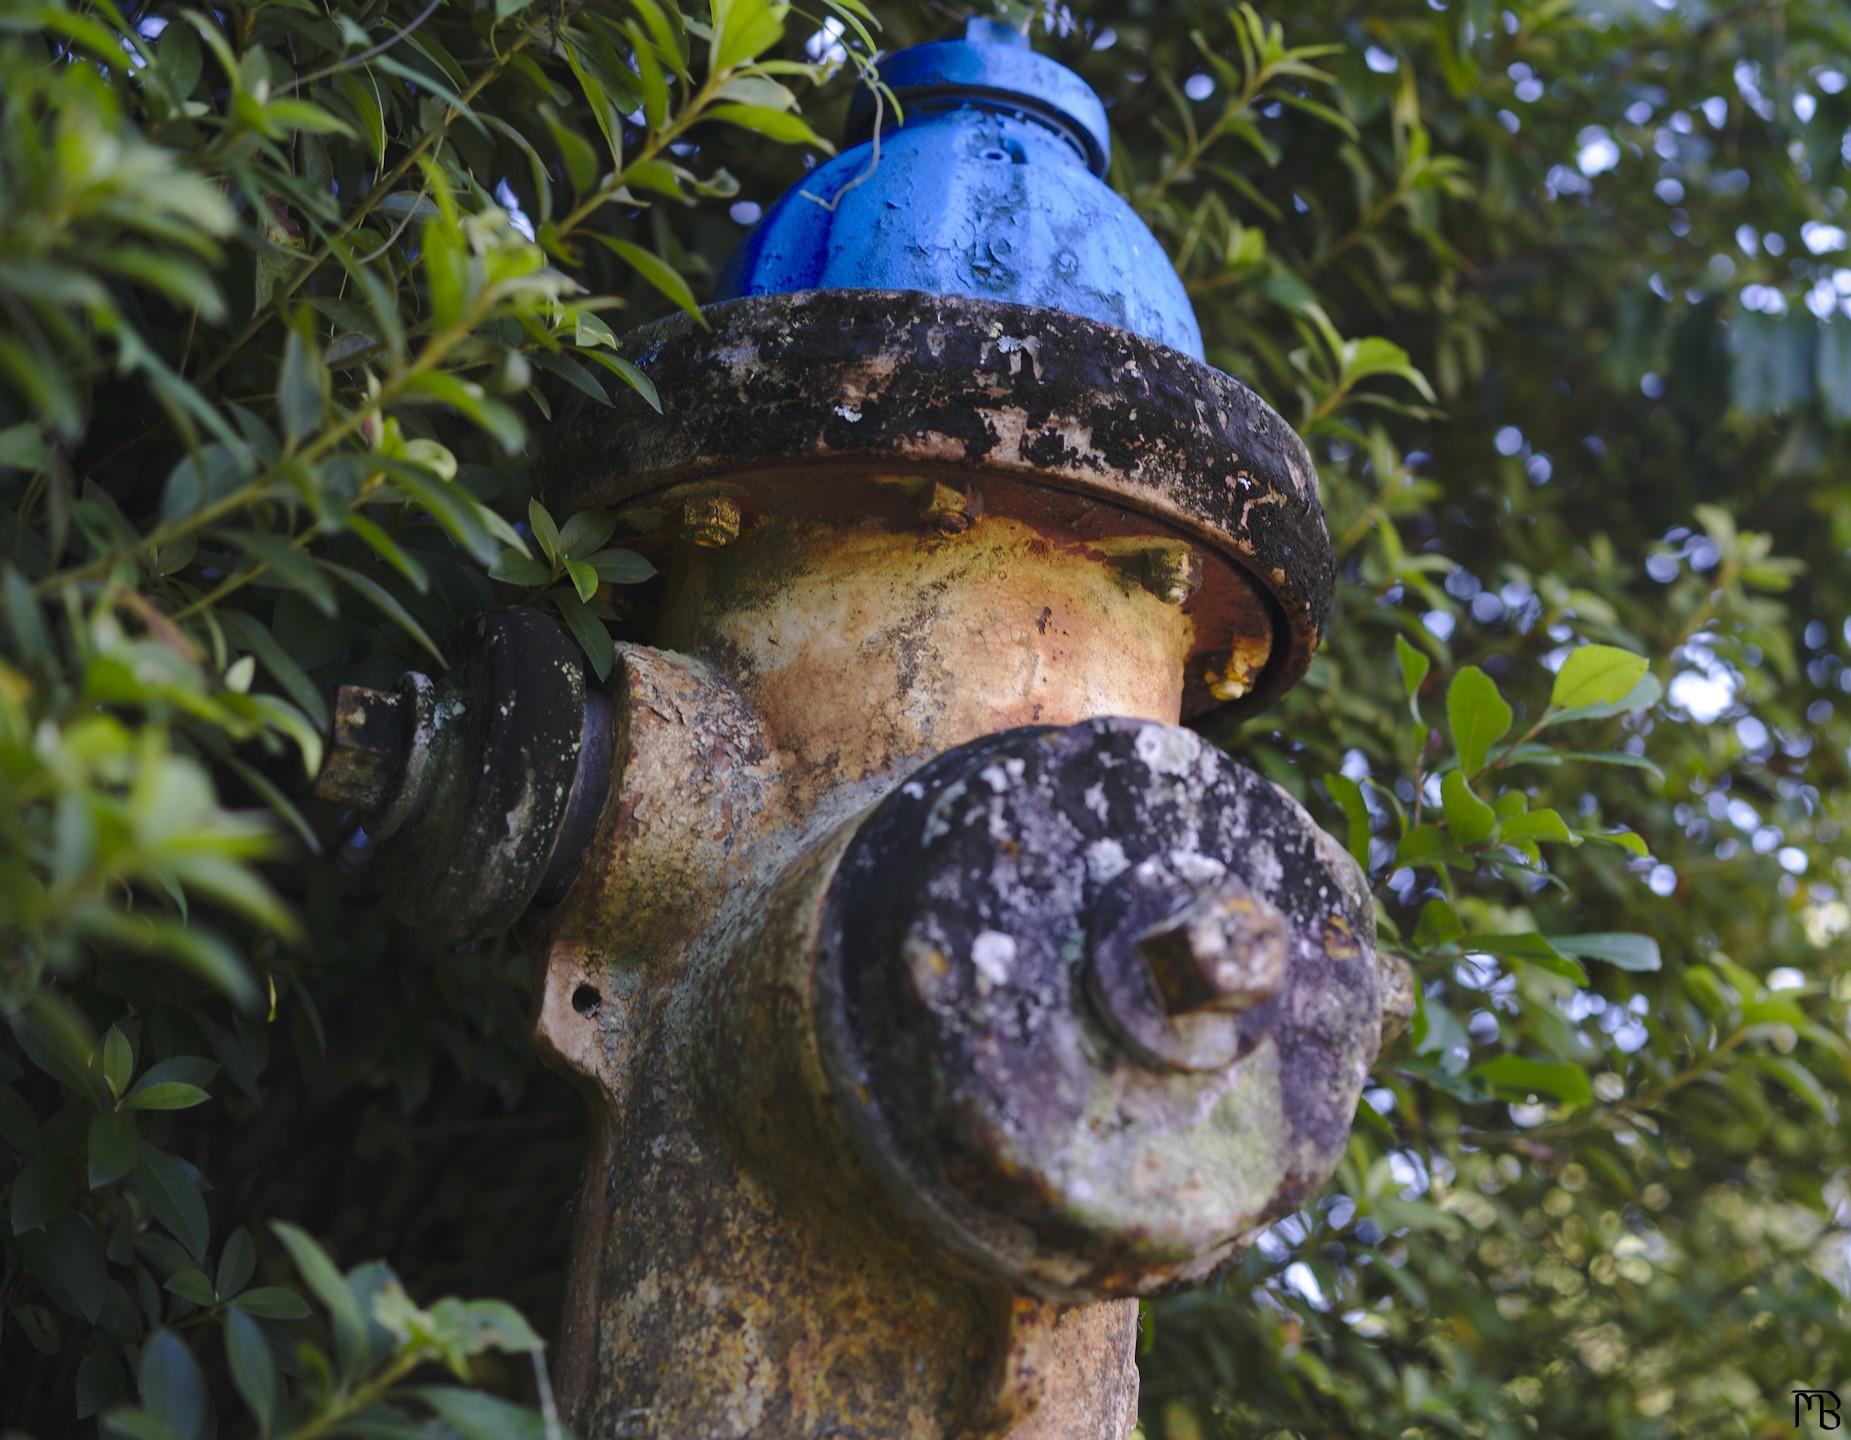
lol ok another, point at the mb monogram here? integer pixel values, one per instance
(1824, 1401)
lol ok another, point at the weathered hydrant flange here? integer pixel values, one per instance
(785, 397)
(1001, 1115)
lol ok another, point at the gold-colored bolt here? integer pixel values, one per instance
(946, 508)
(1246, 660)
(1170, 570)
(710, 521)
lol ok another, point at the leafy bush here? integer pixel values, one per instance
(288, 294)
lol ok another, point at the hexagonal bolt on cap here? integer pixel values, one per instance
(1224, 950)
(367, 748)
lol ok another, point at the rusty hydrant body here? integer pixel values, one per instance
(935, 992)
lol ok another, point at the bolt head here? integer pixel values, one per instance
(366, 750)
(948, 509)
(1224, 950)
(710, 521)
(1170, 570)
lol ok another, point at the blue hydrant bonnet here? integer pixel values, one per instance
(989, 185)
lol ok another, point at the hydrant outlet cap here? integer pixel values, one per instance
(1005, 1055)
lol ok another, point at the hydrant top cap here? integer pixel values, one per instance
(992, 65)
(988, 184)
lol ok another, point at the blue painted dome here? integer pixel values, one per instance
(989, 187)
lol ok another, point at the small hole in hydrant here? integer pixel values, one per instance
(586, 1000)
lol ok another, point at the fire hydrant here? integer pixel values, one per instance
(936, 993)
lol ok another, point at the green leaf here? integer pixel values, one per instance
(283, 116)
(389, 550)
(171, 1189)
(172, 1095)
(237, 1262)
(1439, 924)
(589, 631)
(172, 1389)
(301, 383)
(272, 1302)
(1422, 845)
(255, 637)
(1468, 818)
(586, 531)
(190, 1283)
(1515, 1075)
(657, 271)
(496, 1325)
(621, 567)
(629, 374)
(1477, 716)
(1772, 1009)
(187, 1069)
(114, 1147)
(1533, 754)
(23, 447)
(57, 1039)
(742, 31)
(253, 1368)
(1624, 950)
(476, 1416)
(540, 520)
(179, 61)
(573, 373)
(1415, 664)
(513, 568)
(1347, 793)
(575, 152)
(469, 400)
(330, 1287)
(290, 567)
(1643, 696)
(650, 80)
(781, 126)
(1536, 825)
(448, 504)
(386, 603)
(1596, 675)
(1532, 949)
(118, 1060)
(584, 578)
(1800, 1081)
(1624, 839)
(1374, 355)
(138, 1425)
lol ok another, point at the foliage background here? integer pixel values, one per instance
(1558, 293)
